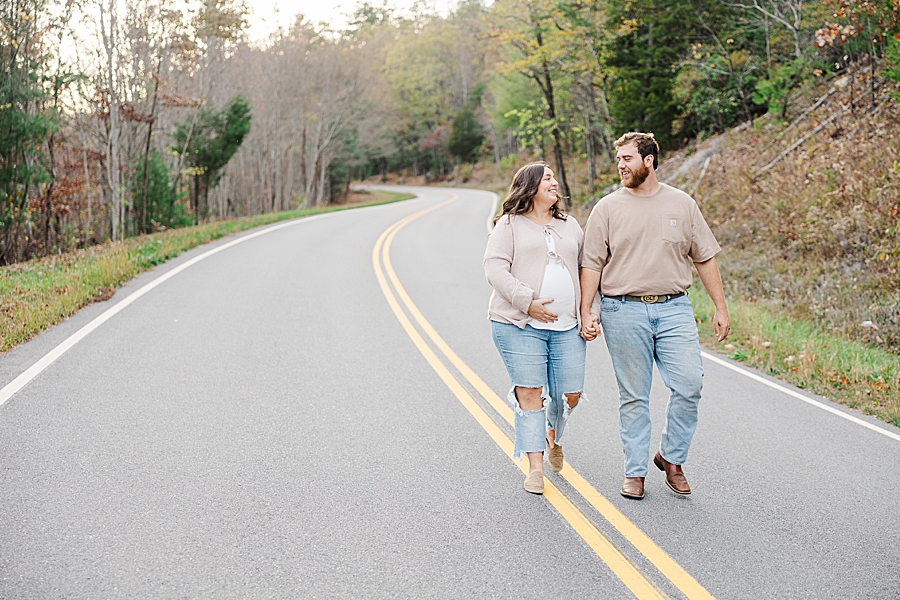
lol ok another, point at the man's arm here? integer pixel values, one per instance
(712, 281)
(590, 281)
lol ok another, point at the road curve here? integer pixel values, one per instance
(261, 424)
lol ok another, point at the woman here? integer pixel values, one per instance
(532, 261)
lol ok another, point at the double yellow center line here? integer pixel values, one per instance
(639, 585)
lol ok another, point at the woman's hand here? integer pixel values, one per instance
(537, 311)
(590, 327)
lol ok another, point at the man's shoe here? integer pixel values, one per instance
(534, 483)
(633, 487)
(675, 478)
(555, 457)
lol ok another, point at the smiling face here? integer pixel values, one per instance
(633, 169)
(547, 192)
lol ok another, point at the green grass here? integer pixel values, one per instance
(38, 294)
(770, 340)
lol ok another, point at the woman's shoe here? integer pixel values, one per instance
(534, 483)
(555, 457)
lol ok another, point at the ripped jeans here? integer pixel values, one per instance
(541, 358)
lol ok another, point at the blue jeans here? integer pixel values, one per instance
(540, 358)
(638, 334)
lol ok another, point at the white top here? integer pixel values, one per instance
(557, 285)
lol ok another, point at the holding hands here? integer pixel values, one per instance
(590, 327)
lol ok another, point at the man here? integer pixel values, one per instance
(639, 244)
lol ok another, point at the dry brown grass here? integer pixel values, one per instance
(816, 233)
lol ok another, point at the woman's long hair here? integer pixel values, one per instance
(524, 188)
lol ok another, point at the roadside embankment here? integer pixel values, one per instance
(37, 294)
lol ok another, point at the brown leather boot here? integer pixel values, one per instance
(675, 478)
(633, 487)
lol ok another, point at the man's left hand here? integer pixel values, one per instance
(722, 324)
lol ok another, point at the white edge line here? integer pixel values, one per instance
(48, 359)
(799, 396)
(490, 218)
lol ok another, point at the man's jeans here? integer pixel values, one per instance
(638, 334)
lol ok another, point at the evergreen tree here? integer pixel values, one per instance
(649, 42)
(164, 207)
(211, 143)
(466, 135)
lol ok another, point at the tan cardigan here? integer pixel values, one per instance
(515, 261)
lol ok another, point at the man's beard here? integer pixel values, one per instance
(637, 177)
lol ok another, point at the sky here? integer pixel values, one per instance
(269, 14)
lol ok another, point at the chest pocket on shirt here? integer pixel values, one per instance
(675, 229)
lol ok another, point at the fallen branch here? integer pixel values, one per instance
(806, 112)
(797, 143)
(702, 173)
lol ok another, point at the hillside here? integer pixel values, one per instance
(808, 211)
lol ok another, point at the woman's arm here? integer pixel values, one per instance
(498, 259)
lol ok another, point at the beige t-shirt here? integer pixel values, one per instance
(645, 244)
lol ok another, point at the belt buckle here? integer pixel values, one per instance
(649, 299)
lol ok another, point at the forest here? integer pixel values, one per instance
(120, 118)
(130, 131)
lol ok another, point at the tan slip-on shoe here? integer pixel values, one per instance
(534, 483)
(675, 478)
(555, 457)
(633, 487)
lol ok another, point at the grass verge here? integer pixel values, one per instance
(770, 340)
(37, 294)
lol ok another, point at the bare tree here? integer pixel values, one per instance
(788, 13)
(109, 32)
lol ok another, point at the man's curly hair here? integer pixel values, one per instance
(645, 142)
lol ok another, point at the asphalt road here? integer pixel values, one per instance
(260, 424)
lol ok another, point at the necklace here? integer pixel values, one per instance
(531, 216)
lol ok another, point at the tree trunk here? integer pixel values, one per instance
(557, 141)
(649, 66)
(112, 144)
(48, 195)
(303, 163)
(547, 89)
(87, 192)
(591, 152)
(142, 219)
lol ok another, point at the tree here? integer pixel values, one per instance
(215, 139)
(432, 68)
(863, 27)
(528, 27)
(24, 126)
(650, 39)
(717, 75)
(466, 134)
(163, 207)
(786, 13)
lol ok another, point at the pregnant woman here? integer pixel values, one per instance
(532, 261)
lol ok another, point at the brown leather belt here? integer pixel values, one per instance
(648, 299)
